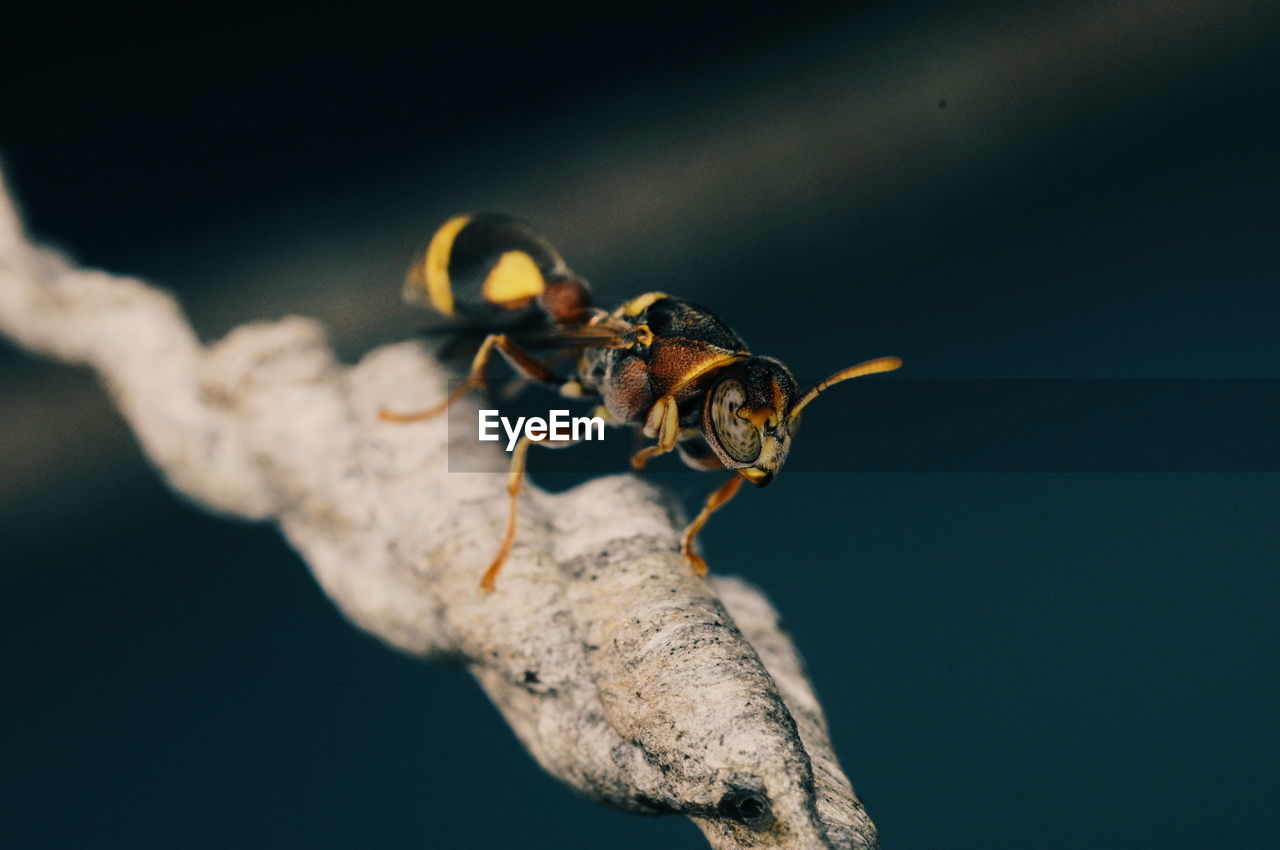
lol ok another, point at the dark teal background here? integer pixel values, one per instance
(1006, 660)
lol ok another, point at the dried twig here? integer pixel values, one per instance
(625, 675)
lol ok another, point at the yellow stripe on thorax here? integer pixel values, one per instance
(638, 305)
(711, 364)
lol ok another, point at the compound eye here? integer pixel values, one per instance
(737, 436)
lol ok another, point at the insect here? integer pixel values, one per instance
(658, 363)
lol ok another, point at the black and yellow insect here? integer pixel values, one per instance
(657, 363)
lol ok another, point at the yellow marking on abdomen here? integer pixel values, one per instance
(429, 277)
(514, 278)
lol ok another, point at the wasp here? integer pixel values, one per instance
(663, 365)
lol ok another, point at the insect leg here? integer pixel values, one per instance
(722, 494)
(663, 423)
(475, 378)
(518, 384)
(515, 481)
(525, 363)
(514, 484)
(520, 360)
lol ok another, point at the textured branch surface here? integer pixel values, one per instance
(624, 675)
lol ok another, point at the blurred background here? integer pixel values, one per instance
(1032, 190)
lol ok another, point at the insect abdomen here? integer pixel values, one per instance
(487, 269)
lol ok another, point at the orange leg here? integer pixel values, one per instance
(524, 363)
(663, 423)
(431, 412)
(723, 494)
(515, 482)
